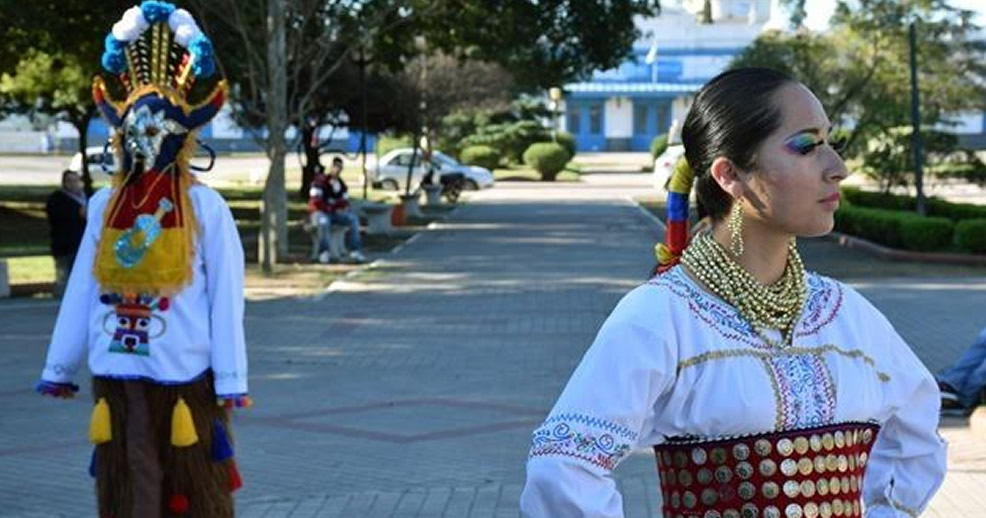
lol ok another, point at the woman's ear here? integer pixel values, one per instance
(727, 175)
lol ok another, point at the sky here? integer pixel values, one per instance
(819, 11)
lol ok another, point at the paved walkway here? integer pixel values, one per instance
(411, 390)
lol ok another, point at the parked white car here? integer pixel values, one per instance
(391, 170)
(664, 165)
(96, 160)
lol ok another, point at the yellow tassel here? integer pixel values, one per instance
(100, 430)
(664, 253)
(182, 426)
(682, 177)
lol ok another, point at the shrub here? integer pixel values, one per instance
(896, 229)
(928, 234)
(386, 144)
(567, 141)
(483, 156)
(510, 139)
(548, 158)
(971, 235)
(876, 225)
(934, 206)
(658, 145)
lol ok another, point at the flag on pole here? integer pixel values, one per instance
(651, 54)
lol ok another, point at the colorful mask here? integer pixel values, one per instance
(165, 92)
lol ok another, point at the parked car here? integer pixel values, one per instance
(391, 170)
(664, 165)
(97, 160)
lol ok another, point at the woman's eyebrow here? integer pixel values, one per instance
(816, 131)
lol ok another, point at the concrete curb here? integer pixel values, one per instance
(894, 254)
(647, 214)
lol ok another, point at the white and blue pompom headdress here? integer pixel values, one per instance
(156, 43)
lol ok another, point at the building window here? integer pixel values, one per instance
(595, 119)
(574, 126)
(663, 119)
(640, 119)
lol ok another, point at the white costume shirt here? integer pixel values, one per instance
(673, 360)
(200, 328)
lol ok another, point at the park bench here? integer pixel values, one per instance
(337, 238)
(378, 217)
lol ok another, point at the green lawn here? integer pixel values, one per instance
(23, 229)
(31, 269)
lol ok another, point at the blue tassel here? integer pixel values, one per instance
(92, 464)
(221, 449)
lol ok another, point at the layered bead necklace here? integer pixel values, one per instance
(775, 306)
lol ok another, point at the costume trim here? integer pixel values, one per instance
(589, 439)
(787, 351)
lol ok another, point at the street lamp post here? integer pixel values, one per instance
(362, 61)
(421, 45)
(554, 93)
(916, 122)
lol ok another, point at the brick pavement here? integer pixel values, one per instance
(411, 389)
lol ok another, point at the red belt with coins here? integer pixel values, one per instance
(806, 473)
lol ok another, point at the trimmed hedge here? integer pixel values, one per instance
(930, 234)
(935, 206)
(896, 229)
(567, 141)
(483, 156)
(547, 158)
(970, 234)
(658, 145)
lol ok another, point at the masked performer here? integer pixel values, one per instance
(156, 293)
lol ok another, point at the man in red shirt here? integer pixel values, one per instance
(328, 204)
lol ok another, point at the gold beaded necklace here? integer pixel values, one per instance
(775, 306)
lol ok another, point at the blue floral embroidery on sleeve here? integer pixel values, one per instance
(595, 441)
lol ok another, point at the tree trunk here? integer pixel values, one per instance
(82, 126)
(273, 228)
(309, 143)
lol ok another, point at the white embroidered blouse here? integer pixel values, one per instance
(166, 341)
(674, 360)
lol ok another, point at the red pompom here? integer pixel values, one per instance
(235, 480)
(178, 504)
(163, 304)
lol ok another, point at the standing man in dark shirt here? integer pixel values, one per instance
(66, 209)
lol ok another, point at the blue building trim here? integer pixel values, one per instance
(681, 51)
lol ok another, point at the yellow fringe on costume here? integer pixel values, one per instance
(166, 267)
(663, 253)
(100, 430)
(682, 178)
(182, 426)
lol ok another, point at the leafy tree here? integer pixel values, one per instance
(312, 44)
(860, 72)
(50, 52)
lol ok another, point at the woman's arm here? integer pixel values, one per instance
(907, 464)
(599, 418)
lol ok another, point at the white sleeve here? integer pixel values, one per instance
(70, 339)
(606, 407)
(223, 257)
(907, 463)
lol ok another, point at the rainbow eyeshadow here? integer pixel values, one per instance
(803, 143)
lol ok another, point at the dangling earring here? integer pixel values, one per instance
(736, 228)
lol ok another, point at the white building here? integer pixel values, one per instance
(625, 108)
